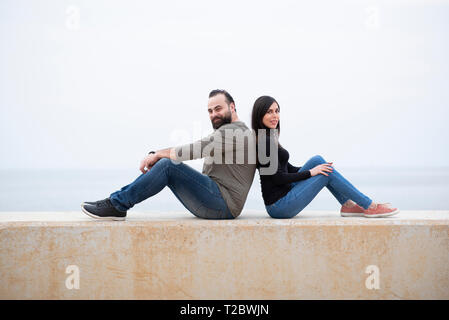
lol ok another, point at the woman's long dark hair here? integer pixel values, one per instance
(260, 108)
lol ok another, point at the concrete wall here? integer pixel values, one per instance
(317, 255)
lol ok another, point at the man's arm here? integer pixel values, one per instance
(153, 157)
(190, 151)
(166, 153)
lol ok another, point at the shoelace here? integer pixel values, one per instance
(103, 203)
(385, 204)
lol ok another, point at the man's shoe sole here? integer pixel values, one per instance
(102, 218)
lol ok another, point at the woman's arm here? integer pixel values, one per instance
(280, 177)
(292, 168)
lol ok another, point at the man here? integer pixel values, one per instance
(219, 192)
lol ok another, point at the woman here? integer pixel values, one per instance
(290, 189)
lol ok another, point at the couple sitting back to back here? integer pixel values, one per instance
(232, 153)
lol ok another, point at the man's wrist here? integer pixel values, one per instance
(158, 156)
(164, 153)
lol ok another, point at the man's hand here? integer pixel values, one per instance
(148, 162)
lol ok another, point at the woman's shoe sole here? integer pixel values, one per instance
(102, 218)
(380, 215)
(351, 214)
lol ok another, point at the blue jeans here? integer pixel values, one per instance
(303, 192)
(196, 191)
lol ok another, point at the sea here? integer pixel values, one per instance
(407, 188)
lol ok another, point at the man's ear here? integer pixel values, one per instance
(232, 105)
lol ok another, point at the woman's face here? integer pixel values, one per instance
(271, 118)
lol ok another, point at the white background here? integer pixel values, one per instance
(97, 84)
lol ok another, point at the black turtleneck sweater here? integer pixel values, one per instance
(277, 185)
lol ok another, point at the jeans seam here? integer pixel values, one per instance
(295, 195)
(202, 185)
(312, 184)
(216, 196)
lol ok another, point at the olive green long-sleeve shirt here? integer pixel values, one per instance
(231, 163)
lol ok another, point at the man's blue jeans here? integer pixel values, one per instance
(196, 191)
(303, 192)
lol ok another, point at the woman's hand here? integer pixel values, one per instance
(322, 168)
(148, 162)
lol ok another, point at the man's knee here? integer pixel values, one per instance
(167, 162)
(164, 164)
(164, 161)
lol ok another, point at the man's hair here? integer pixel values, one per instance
(228, 97)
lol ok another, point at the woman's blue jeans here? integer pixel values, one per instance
(303, 191)
(196, 191)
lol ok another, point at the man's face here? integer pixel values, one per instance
(219, 111)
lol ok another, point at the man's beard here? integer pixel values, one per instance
(221, 121)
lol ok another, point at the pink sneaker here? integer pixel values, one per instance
(354, 211)
(380, 210)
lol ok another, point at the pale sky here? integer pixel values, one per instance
(97, 84)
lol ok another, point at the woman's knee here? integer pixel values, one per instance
(318, 159)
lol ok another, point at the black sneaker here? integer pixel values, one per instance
(103, 209)
(94, 202)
